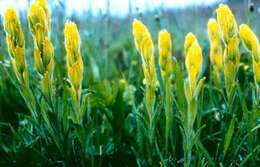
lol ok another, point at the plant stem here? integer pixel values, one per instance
(191, 115)
(168, 114)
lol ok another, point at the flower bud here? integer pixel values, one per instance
(215, 44)
(227, 22)
(193, 63)
(165, 59)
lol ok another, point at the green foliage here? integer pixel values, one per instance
(114, 129)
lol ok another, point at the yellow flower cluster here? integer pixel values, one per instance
(74, 59)
(39, 24)
(165, 48)
(215, 44)
(251, 42)
(228, 25)
(227, 22)
(144, 45)
(193, 61)
(16, 45)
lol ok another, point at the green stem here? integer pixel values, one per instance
(168, 114)
(191, 115)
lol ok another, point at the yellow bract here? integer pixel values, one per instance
(144, 45)
(12, 26)
(213, 30)
(143, 40)
(140, 32)
(226, 21)
(16, 45)
(165, 48)
(43, 4)
(72, 37)
(38, 22)
(215, 44)
(74, 60)
(189, 39)
(231, 60)
(251, 42)
(193, 63)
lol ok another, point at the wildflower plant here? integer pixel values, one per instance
(74, 69)
(86, 114)
(39, 24)
(16, 49)
(144, 45)
(193, 85)
(166, 68)
(252, 44)
(229, 31)
(215, 50)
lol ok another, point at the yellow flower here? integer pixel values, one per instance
(43, 4)
(143, 40)
(233, 50)
(231, 61)
(47, 51)
(38, 22)
(146, 49)
(16, 45)
(215, 42)
(213, 30)
(256, 69)
(250, 40)
(13, 29)
(165, 48)
(189, 39)
(72, 39)
(193, 63)
(75, 73)
(226, 21)
(140, 31)
(74, 60)
(144, 46)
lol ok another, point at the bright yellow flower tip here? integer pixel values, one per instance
(74, 60)
(165, 48)
(226, 21)
(215, 43)
(189, 39)
(139, 32)
(16, 45)
(193, 63)
(43, 4)
(13, 29)
(143, 40)
(38, 22)
(250, 40)
(72, 38)
(213, 30)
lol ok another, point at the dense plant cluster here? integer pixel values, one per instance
(174, 113)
